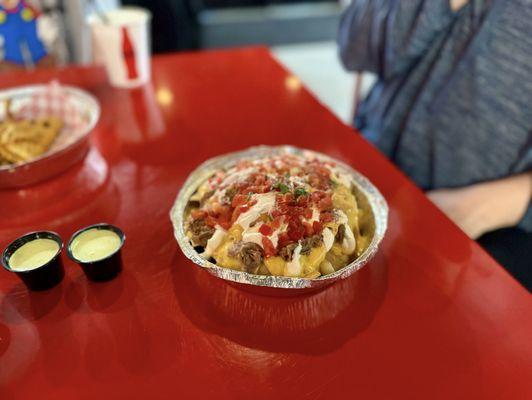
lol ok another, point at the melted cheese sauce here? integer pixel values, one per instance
(95, 244)
(33, 254)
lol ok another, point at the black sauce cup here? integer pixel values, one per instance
(105, 268)
(45, 276)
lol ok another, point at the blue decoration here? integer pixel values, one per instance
(18, 26)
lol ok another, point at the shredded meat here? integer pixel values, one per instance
(287, 251)
(309, 243)
(230, 193)
(340, 234)
(249, 254)
(201, 232)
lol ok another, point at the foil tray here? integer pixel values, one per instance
(367, 195)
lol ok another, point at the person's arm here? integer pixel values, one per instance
(387, 36)
(458, 4)
(484, 207)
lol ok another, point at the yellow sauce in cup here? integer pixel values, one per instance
(33, 254)
(95, 244)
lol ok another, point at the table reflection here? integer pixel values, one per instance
(282, 324)
(54, 203)
(139, 119)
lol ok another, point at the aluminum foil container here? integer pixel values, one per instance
(368, 196)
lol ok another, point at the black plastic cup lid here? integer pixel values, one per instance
(27, 238)
(100, 226)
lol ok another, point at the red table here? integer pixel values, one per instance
(432, 317)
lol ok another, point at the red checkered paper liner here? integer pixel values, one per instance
(55, 101)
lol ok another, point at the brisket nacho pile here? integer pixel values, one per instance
(287, 215)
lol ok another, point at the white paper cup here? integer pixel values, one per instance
(122, 44)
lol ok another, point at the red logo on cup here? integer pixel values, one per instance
(129, 55)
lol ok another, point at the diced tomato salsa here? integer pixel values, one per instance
(269, 249)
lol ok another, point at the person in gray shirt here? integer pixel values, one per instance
(452, 106)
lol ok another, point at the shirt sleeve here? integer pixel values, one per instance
(524, 164)
(386, 36)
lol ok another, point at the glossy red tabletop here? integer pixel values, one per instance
(431, 317)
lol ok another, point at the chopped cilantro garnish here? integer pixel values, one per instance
(280, 186)
(300, 192)
(333, 183)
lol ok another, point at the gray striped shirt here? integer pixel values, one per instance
(452, 105)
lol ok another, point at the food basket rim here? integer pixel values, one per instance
(28, 90)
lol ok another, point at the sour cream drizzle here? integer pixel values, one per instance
(252, 235)
(315, 216)
(340, 177)
(234, 176)
(349, 242)
(328, 238)
(265, 203)
(215, 241)
(293, 267)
